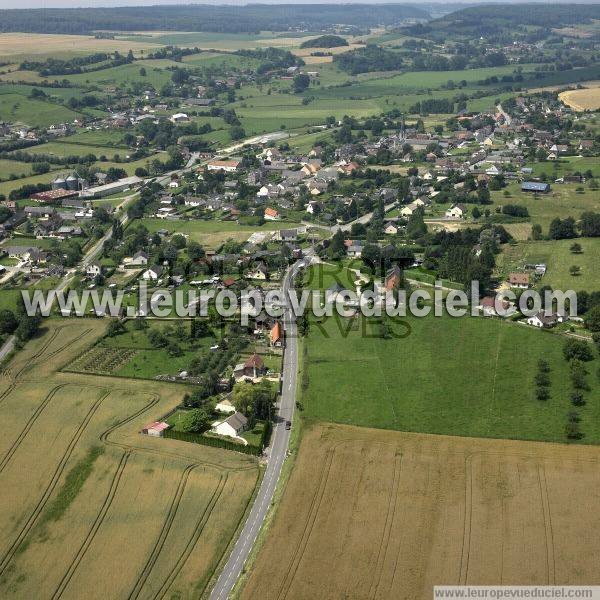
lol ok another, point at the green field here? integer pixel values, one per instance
(15, 108)
(13, 167)
(424, 382)
(558, 258)
(213, 233)
(562, 201)
(420, 379)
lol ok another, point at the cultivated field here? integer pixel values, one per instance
(584, 99)
(91, 508)
(374, 514)
(20, 45)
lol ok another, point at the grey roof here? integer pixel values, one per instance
(237, 420)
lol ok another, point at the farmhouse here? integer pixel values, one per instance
(232, 426)
(229, 166)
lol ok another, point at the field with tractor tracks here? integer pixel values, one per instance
(380, 514)
(91, 508)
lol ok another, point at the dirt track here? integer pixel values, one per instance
(377, 514)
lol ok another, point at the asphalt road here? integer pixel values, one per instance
(277, 453)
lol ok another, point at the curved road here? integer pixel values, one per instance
(277, 453)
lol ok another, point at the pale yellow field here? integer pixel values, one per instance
(382, 514)
(24, 44)
(153, 516)
(584, 99)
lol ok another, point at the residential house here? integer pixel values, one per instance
(545, 320)
(139, 259)
(252, 368)
(487, 306)
(153, 273)
(272, 214)
(259, 271)
(456, 211)
(232, 426)
(276, 335)
(93, 269)
(519, 280)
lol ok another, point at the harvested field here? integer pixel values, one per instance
(91, 508)
(32, 44)
(584, 99)
(374, 514)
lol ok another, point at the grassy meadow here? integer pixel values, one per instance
(420, 379)
(557, 256)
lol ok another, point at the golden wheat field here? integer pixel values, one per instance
(380, 514)
(30, 44)
(90, 508)
(584, 99)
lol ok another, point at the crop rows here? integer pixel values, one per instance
(102, 360)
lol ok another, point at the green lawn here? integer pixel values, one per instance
(464, 376)
(558, 258)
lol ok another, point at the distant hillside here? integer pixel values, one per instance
(504, 20)
(325, 41)
(225, 19)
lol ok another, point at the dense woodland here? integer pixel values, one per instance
(230, 19)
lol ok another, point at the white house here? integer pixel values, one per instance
(545, 319)
(390, 229)
(179, 118)
(153, 273)
(93, 269)
(232, 426)
(457, 211)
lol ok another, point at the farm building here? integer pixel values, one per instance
(535, 186)
(155, 429)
